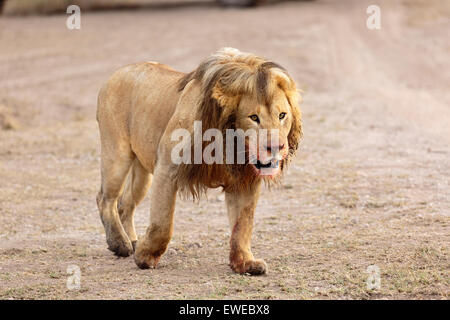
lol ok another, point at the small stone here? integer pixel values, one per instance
(195, 245)
(7, 121)
(172, 252)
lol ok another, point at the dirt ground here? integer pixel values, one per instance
(370, 184)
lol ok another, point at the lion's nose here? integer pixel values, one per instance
(277, 148)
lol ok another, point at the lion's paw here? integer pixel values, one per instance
(145, 260)
(252, 267)
(120, 247)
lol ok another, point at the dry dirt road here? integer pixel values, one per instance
(370, 185)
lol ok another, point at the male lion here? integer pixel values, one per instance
(138, 109)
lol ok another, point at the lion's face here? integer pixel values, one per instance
(272, 123)
(244, 92)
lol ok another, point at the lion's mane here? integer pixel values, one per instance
(224, 78)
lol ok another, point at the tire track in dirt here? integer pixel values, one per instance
(376, 60)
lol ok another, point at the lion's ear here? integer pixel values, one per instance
(296, 132)
(216, 109)
(225, 99)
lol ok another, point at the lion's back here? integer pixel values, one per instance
(133, 83)
(135, 105)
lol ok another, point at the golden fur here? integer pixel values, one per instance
(138, 109)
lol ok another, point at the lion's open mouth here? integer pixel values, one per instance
(270, 168)
(272, 164)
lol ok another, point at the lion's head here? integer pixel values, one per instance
(243, 91)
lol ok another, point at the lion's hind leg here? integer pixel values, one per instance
(136, 186)
(115, 165)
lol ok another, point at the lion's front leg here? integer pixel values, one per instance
(241, 209)
(153, 244)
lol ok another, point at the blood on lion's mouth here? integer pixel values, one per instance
(270, 168)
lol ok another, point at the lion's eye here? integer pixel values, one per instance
(254, 117)
(282, 115)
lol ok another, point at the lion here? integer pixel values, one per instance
(142, 104)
